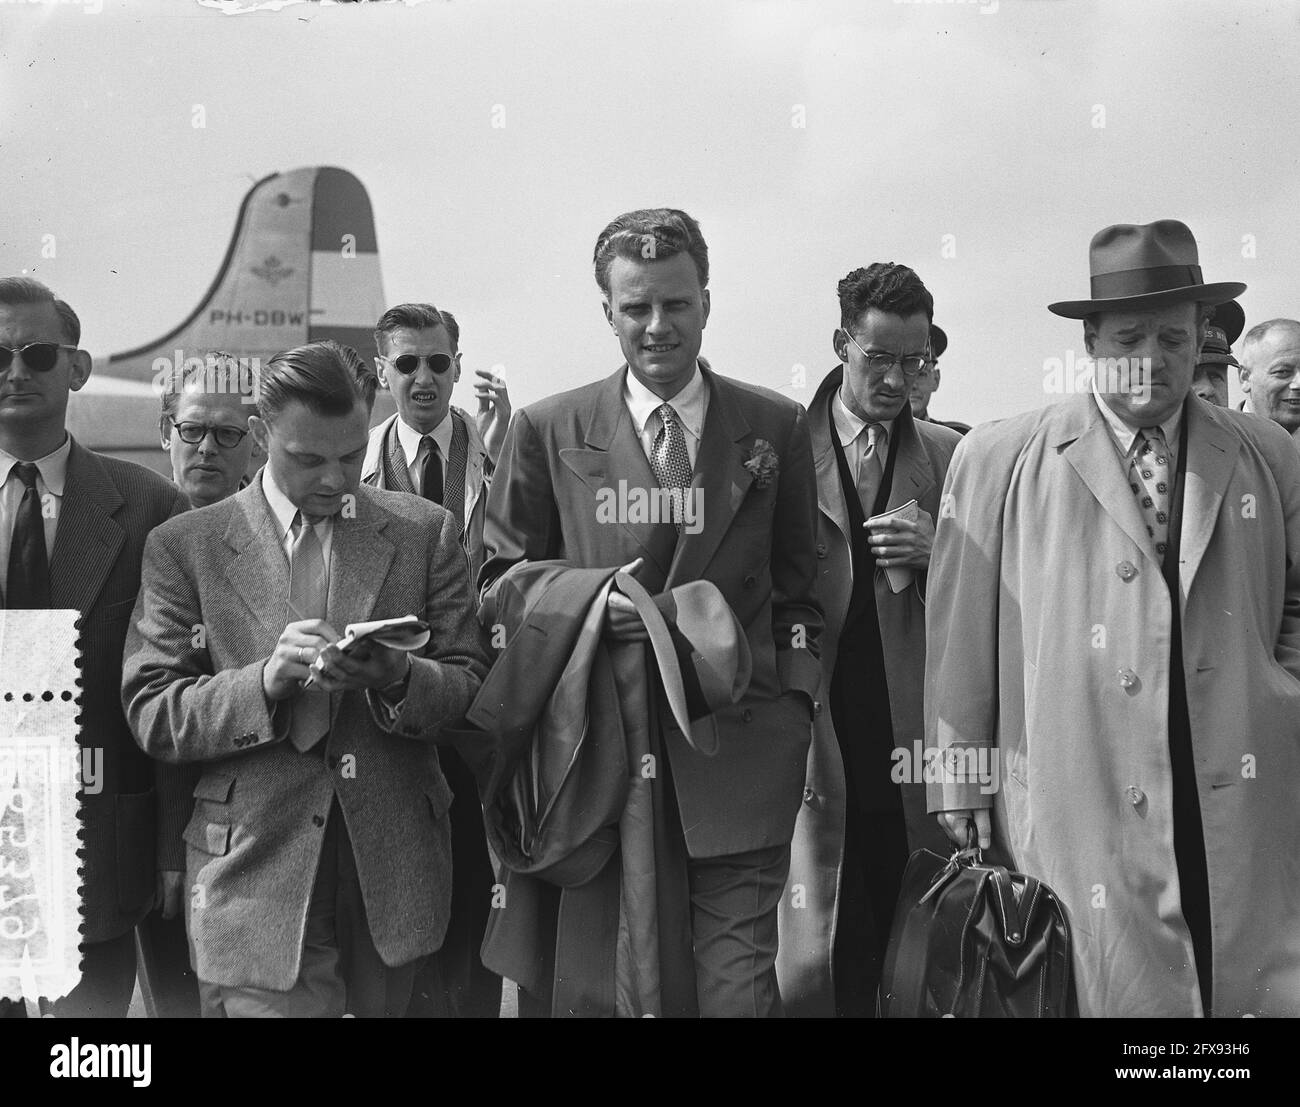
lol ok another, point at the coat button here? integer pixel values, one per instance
(1128, 679)
(1126, 570)
(751, 580)
(809, 795)
(747, 715)
(821, 549)
(1135, 795)
(817, 707)
(318, 820)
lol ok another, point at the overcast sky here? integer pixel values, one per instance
(1004, 138)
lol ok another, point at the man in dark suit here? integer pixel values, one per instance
(733, 463)
(864, 807)
(72, 527)
(318, 860)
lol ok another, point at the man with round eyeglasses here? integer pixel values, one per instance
(205, 431)
(861, 818)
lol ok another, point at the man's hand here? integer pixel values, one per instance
(493, 410)
(366, 665)
(959, 826)
(899, 544)
(299, 645)
(167, 892)
(622, 623)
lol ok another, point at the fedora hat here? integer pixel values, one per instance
(1138, 267)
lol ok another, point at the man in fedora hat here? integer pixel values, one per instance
(1270, 373)
(926, 383)
(1224, 327)
(1114, 607)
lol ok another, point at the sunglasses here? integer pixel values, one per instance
(407, 364)
(39, 356)
(194, 433)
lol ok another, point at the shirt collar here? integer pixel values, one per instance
(848, 424)
(53, 467)
(689, 403)
(1125, 436)
(410, 438)
(282, 507)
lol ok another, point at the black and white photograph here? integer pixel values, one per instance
(521, 509)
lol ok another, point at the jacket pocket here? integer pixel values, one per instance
(207, 837)
(214, 786)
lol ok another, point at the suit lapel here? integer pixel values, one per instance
(1091, 451)
(1211, 459)
(360, 557)
(913, 475)
(721, 477)
(830, 489)
(87, 539)
(612, 455)
(258, 571)
(396, 466)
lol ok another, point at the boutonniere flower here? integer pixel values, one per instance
(762, 462)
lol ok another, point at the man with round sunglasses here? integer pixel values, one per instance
(431, 449)
(72, 530)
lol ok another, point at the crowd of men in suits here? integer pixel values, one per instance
(717, 730)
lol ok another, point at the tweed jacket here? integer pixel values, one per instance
(211, 608)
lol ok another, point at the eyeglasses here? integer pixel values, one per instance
(194, 433)
(39, 356)
(406, 364)
(911, 364)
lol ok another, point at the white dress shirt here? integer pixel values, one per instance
(691, 405)
(850, 429)
(285, 512)
(51, 475)
(1126, 438)
(413, 443)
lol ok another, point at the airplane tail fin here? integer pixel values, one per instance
(303, 265)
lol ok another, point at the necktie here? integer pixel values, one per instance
(308, 596)
(869, 470)
(28, 583)
(431, 474)
(670, 461)
(1149, 479)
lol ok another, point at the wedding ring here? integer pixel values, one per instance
(300, 660)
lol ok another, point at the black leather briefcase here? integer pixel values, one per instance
(972, 940)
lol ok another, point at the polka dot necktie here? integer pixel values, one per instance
(1149, 479)
(670, 461)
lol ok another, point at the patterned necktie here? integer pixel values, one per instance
(869, 470)
(670, 461)
(1149, 479)
(28, 583)
(431, 474)
(308, 597)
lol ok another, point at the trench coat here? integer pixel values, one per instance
(810, 906)
(1049, 626)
